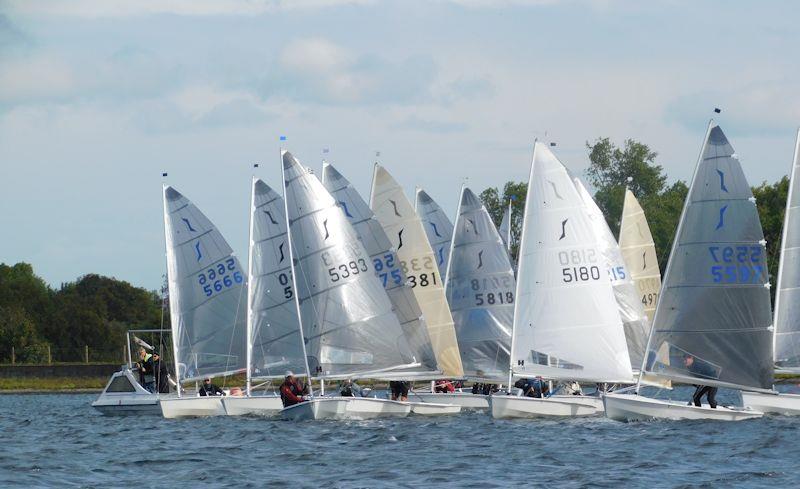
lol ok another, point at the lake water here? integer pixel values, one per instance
(60, 441)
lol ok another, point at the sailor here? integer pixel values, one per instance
(350, 389)
(291, 391)
(444, 386)
(703, 370)
(145, 366)
(161, 374)
(537, 388)
(399, 390)
(209, 389)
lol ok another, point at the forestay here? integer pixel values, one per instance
(386, 264)
(787, 298)
(275, 330)
(714, 309)
(347, 319)
(639, 253)
(480, 290)
(631, 310)
(438, 228)
(404, 229)
(207, 297)
(566, 321)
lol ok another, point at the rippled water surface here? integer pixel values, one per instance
(60, 441)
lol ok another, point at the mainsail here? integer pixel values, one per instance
(480, 290)
(787, 298)
(386, 264)
(274, 331)
(404, 228)
(438, 228)
(505, 227)
(207, 297)
(713, 318)
(348, 324)
(566, 321)
(639, 253)
(634, 320)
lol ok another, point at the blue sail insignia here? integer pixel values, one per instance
(722, 217)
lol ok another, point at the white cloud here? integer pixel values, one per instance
(127, 8)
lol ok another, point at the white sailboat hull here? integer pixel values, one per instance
(466, 400)
(504, 407)
(371, 407)
(189, 407)
(316, 408)
(633, 407)
(786, 404)
(595, 401)
(434, 408)
(255, 405)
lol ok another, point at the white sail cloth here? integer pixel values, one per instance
(566, 321)
(639, 252)
(207, 297)
(438, 228)
(713, 317)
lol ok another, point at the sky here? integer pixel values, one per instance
(99, 97)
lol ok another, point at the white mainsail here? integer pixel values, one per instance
(787, 297)
(505, 227)
(480, 289)
(566, 319)
(348, 325)
(274, 333)
(207, 297)
(715, 305)
(438, 228)
(639, 253)
(634, 319)
(404, 228)
(386, 264)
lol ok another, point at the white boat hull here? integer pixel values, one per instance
(188, 407)
(505, 406)
(123, 395)
(787, 404)
(371, 407)
(255, 405)
(595, 401)
(467, 400)
(433, 408)
(632, 407)
(316, 408)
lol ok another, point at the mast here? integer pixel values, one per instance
(294, 276)
(519, 271)
(672, 251)
(510, 220)
(792, 176)
(171, 288)
(250, 290)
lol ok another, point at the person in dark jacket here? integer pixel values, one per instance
(209, 389)
(703, 370)
(350, 389)
(161, 374)
(399, 389)
(291, 391)
(145, 366)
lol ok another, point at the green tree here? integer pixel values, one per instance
(17, 330)
(771, 203)
(514, 192)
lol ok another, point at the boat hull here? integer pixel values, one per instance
(786, 404)
(505, 407)
(190, 407)
(595, 401)
(371, 407)
(467, 400)
(252, 406)
(632, 407)
(123, 396)
(317, 408)
(434, 409)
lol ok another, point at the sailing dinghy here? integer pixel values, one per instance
(274, 344)
(787, 306)
(207, 300)
(346, 318)
(438, 229)
(480, 290)
(714, 307)
(566, 320)
(394, 280)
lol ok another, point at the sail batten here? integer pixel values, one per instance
(207, 297)
(407, 235)
(566, 320)
(480, 290)
(713, 319)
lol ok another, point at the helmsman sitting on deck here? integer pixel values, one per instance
(209, 389)
(291, 391)
(702, 369)
(350, 389)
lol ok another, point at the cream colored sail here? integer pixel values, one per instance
(639, 253)
(404, 228)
